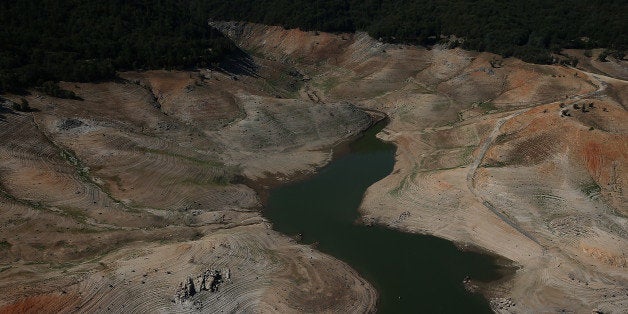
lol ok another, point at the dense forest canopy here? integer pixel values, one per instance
(528, 29)
(87, 40)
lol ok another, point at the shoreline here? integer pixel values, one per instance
(263, 187)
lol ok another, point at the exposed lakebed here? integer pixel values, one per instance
(412, 273)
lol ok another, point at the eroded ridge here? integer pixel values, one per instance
(110, 202)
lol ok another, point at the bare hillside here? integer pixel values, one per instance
(126, 199)
(524, 160)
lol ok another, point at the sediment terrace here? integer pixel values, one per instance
(115, 200)
(120, 197)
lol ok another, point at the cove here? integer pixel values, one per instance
(412, 273)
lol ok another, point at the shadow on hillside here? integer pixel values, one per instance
(239, 63)
(4, 110)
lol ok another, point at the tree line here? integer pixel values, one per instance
(89, 40)
(527, 29)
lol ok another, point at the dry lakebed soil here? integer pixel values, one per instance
(322, 173)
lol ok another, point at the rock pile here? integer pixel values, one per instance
(210, 280)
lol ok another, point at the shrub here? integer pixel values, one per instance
(603, 55)
(22, 106)
(53, 89)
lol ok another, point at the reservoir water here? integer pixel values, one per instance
(412, 273)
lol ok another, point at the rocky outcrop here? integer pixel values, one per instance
(210, 281)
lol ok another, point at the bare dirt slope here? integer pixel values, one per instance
(125, 199)
(117, 199)
(494, 153)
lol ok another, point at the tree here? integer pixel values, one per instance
(22, 106)
(52, 89)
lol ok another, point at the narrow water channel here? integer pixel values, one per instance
(412, 273)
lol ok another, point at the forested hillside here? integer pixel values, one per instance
(86, 40)
(528, 29)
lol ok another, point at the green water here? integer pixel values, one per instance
(412, 273)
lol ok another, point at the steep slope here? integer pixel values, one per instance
(117, 199)
(492, 153)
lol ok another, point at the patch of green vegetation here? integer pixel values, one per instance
(75, 213)
(65, 265)
(439, 169)
(23, 106)
(617, 54)
(396, 191)
(548, 202)
(487, 106)
(465, 157)
(9, 196)
(270, 255)
(221, 177)
(69, 157)
(328, 84)
(284, 85)
(504, 137)
(440, 106)
(228, 175)
(414, 172)
(196, 235)
(460, 119)
(5, 245)
(517, 159)
(423, 89)
(83, 173)
(293, 88)
(81, 170)
(590, 189)
(52, 89)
